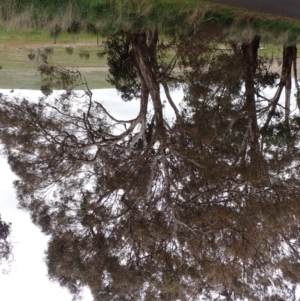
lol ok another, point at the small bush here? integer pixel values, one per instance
(44, 57)
(46, 90)
(84, 54)
(48, 50)
(31, 56)
(101, 54)
(69, 50)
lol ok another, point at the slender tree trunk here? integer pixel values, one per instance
(296, 78)
(249, 60)
(141, 51)
(152, 42)
(289, 53)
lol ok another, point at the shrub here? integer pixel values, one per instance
(31, 56)
(84, 54)
(48, 50)
(69, 50)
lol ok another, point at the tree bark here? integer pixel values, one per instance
(141, 51)
(249, 60)
(289, 54)
(296, 78)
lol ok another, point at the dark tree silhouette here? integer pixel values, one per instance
(5, 245)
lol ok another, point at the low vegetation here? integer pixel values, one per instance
(75, 31)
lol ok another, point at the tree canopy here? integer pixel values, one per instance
(206, 204)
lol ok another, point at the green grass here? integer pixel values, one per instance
(20, 79)
(30, 79)
(111, 15)
(38, 35)
(19, 72)
(270, 51)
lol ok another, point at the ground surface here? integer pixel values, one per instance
(18, 72)
(287, 8)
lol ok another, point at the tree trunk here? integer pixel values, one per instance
(296, 78)
(144, 66)
(289, 54)
(249, 60)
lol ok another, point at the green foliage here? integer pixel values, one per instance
(46, 90)
(5, 245)
(74, 28)
(120, 59)
(91, 28)
(223, 19)
(69, 50)
(31, 56)
(294, 34)
(48, 50)
(84, 54)
(58, 77)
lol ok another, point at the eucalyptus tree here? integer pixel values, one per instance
(148, 209)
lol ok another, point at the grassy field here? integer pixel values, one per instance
(18, 71)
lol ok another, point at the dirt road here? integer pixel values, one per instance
(287, 8)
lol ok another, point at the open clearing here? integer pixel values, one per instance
(18, 71)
